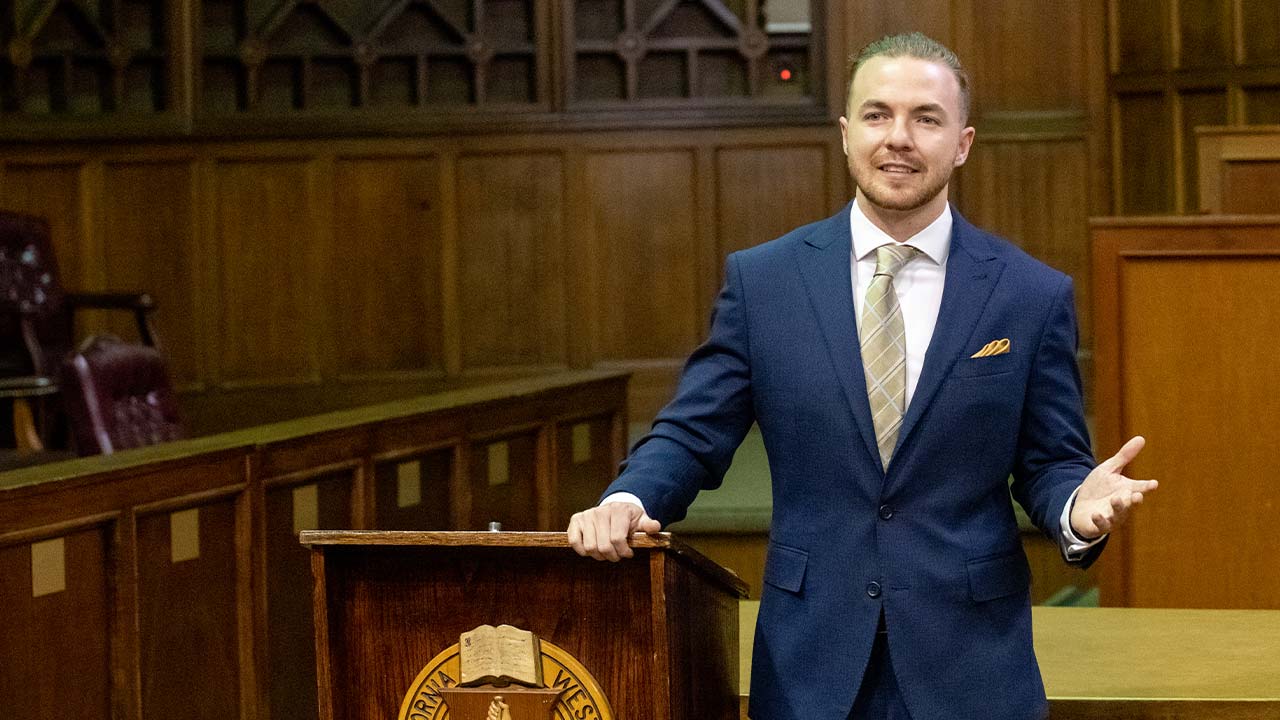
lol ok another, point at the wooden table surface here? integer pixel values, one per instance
(1142, 663)
(1095, 653)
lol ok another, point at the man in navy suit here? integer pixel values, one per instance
(895, 584)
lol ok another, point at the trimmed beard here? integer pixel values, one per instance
(907, 204)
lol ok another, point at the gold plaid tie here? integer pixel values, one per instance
(884, 348)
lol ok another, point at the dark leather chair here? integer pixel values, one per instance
(118, 396)
(37, 318)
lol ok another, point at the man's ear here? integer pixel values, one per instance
(844, 134)
(966, 142)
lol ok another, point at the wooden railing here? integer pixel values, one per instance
(168, 581)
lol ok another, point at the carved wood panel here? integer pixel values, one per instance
(686, 52)
(84, 58)
(288, 55)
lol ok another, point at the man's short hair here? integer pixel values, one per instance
(916, 45)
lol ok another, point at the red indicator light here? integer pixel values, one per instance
(784, 74)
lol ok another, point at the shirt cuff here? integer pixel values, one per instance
(1073, 546)
(624, 497)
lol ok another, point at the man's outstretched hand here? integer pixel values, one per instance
(1106, 495)
(602, 531)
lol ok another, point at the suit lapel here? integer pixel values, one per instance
(972, 272)
(825, 266)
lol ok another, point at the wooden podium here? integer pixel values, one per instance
(656, 636)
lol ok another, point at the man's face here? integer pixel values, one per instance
(904, 133)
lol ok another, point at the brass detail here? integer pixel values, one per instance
(499, 463)
(48, 567)
(581, 442)
(409, 484)
(306, 508)
(184, 535)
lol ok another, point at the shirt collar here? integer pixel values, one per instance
(934, 241)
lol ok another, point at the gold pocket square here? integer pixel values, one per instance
(995, 347)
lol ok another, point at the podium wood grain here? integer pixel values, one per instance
(658, 632)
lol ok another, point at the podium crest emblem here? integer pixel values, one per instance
(504, 673)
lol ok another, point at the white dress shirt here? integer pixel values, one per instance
(918, 285)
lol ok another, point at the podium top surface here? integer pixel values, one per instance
(662, 542)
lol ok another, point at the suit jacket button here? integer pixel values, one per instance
(886, 512)
(873, 589)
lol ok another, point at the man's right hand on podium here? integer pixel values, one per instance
(602, 531)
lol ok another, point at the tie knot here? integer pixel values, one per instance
(891, 258)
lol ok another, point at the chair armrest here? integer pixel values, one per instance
(139, 303)
(111, 300)
(27, 386)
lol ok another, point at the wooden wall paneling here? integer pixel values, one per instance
(322, 501)
(188, 615)
(831, 31)
(1261, 105)
(1141, 30)
(1143, 154)
(1204, 33)
(385, 265)
(251, 589)
(583, 326)
(413, 490)
(57, 643)
(126, 648)
(1261, 42)
(764, 192)
(1097, 109)
(449, 271)
(1183, 325)
(208, 270)
(321, 247)
(705, 178)
(148, 217)
(584, 455)
(868, 20)
(53, 190)
(503, 479)
(1051, 222)
(268, 329)
(546, 490)
(1048, 40)
(643, 235)
(511, 281)
(1174, 360)
(1205, 108)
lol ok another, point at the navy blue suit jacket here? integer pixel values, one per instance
(933, 542)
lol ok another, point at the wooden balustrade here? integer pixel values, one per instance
(169, 582)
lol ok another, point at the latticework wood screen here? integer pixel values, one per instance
(106, 59)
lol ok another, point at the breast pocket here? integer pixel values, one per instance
(984, 366)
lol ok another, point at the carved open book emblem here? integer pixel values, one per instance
(504, 673)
